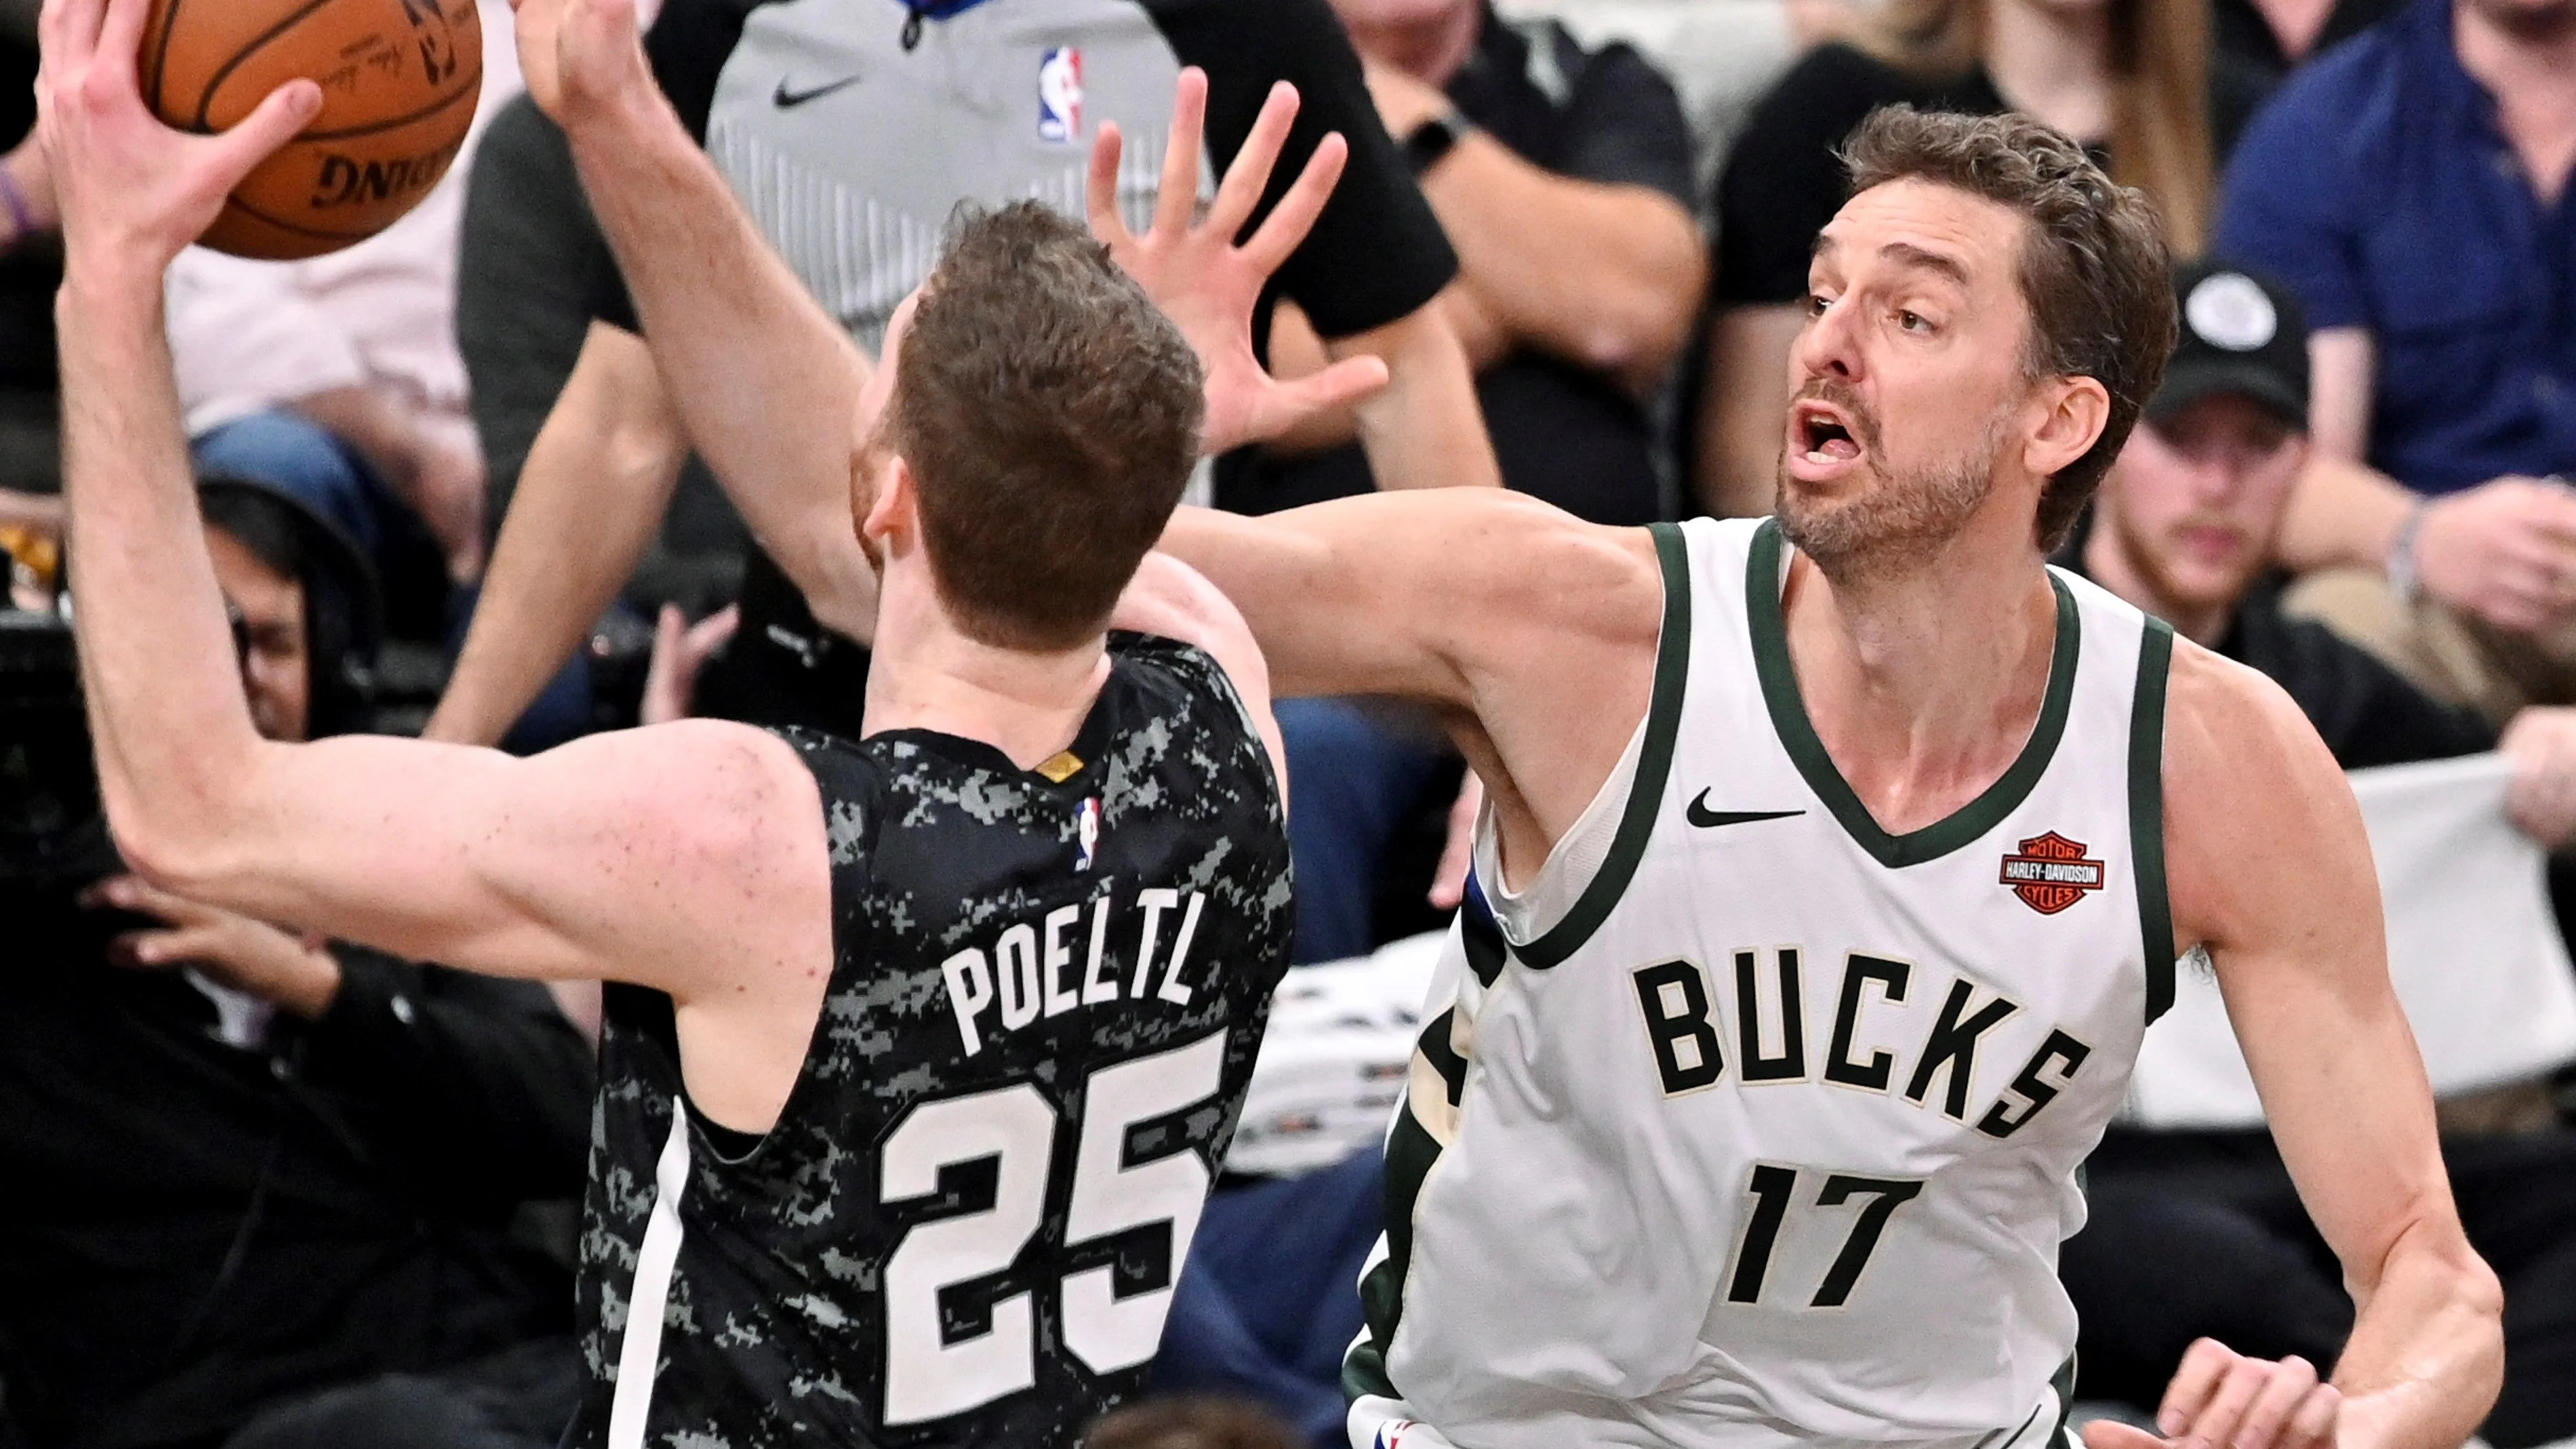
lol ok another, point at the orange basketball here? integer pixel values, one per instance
(399, 83)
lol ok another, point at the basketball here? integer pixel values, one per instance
(399, 83)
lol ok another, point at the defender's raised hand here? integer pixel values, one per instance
(1207, 283)
(135, 192)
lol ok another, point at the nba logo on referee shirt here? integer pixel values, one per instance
(1060, 95)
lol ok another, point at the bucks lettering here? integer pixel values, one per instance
(1065, 961)
(1891, 1033)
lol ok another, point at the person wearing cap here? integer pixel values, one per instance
(2186, 524)
(2410, 186)
(2183, 527)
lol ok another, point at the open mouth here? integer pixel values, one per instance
(1823, 436)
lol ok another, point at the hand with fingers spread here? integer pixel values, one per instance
(296, 976)
(132, 191)
(2221, 1399)
(1207, 283)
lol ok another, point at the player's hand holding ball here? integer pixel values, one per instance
(134, 192)
(2221, 1399)
(326, 122)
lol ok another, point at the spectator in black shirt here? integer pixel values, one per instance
(2136, 82)
(262, 1193)
(2182, 527)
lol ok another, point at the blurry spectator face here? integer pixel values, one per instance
(1907, 379)
(268, 609)
(2197, 495)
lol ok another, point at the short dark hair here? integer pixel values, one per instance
(2095, 268)
(1050, 415)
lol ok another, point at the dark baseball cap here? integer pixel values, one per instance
(2242, 333)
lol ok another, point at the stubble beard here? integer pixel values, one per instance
(1898, 523)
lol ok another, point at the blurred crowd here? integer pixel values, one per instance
(262, 1189)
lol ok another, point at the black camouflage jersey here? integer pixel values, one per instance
(1047, 990)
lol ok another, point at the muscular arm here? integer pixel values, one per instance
(1531, 632)
(2297, 938)
(593, 491)
(767, 386)
(673, 858)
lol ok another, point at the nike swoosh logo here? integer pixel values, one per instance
(787, 100)
(1698, 813)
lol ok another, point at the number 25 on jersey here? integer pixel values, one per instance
(929, 1377)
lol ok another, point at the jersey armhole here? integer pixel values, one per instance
(2147, 812)
(1654, 765)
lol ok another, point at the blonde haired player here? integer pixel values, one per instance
(1833, 868)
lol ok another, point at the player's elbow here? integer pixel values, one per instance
(176, 833)
(164, 842)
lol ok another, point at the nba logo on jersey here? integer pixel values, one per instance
(1060, 95)
(1086, 830)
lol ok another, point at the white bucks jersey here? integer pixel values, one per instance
(1749, 1123)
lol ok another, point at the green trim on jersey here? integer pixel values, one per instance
(1410, 1152)
(1654, 764)
(2147, 811)
(1798, 733)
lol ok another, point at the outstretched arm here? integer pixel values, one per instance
(2270, 868)
(769, 389)
(1531, 632)
(675, 858)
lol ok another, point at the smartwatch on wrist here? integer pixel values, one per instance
(1425, 144)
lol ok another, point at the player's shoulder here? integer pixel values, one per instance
(1162, 658)
(2237, 746)
(1173, 683)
